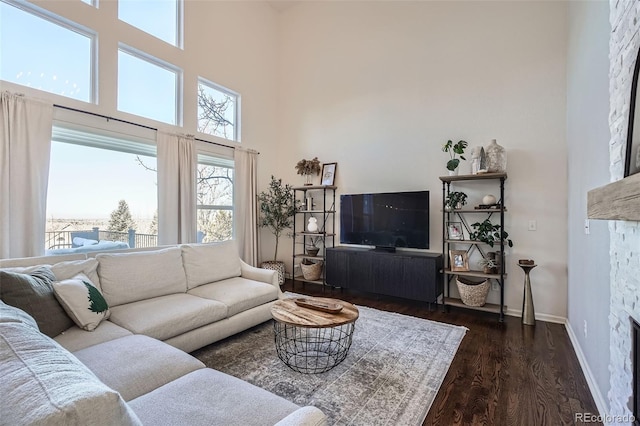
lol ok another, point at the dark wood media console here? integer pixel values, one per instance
(410, 275)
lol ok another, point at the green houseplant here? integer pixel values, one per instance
(489, 233)
(489, 265)
(277, 208)
(454, 150)
(455, 200)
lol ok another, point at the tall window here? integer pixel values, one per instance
(102, 189)
(160, 18)
(148, 87)
(217, 110)
(46, 53)
(215, 199)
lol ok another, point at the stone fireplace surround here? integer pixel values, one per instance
(624, 235)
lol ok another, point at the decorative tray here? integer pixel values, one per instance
(332, 308)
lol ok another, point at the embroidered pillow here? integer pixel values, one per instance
(82, 301)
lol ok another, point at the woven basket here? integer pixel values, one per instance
(311, 271)
(472, 293)
(275, 266)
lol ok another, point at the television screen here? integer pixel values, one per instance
(387, 220)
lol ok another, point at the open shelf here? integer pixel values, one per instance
(478, 274)
(495, 215)
(306, 256)
(479, 176)
(487, 307)
(316, 211)
(303, 279)
(476, 210)
(312, 187)
(323, 209)
(316, 234)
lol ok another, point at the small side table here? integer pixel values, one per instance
(528, 312)
(311, 341)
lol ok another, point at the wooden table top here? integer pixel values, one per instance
(286, 311)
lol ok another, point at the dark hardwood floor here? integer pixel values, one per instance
(503, 373)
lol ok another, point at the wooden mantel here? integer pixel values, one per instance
(616, 201)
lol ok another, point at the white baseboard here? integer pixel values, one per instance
(591, 382)
(541, 317)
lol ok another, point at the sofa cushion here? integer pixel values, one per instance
(135, 365)
(167, 316)
(130, 277)
(64, 269)
(82, 301)
(12, 314)
(209, 397)
(76, 338)
(239, 294)
(33, 293)
(207, 263)
(44, 384)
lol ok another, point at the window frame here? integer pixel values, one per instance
(179, 73)
(179, 25)
(70, 25)
(220, 157)
(236, 112)
(93, 132)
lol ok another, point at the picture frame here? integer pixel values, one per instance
(458, 260)
(454, 231)
(328, 174)
(632, 151)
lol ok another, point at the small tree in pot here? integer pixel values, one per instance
(277, 208)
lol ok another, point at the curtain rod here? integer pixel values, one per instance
(134, 124)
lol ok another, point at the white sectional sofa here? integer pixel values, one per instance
(133, 368)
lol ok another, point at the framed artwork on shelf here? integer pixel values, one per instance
(454, 231)
(459, 260)
(328, 174)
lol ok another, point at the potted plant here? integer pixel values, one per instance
(308, 168)
(454, 150)
(455, 200)
(488, 265)
(489, 233)
(277, 208)
(313, 245)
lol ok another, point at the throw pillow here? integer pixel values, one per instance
(82, 301)
(33, 293)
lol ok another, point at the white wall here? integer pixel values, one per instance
(588, 164)
(380, 86)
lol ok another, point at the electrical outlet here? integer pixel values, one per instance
(585, 329)
(495, 286)
(533, 225)
(587, 226)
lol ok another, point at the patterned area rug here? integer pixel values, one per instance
(390, 376)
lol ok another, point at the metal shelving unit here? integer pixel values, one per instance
(324, 196)
(499, 277)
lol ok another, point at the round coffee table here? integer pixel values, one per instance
(310, 340)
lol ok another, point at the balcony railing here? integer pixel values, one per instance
(64, 239)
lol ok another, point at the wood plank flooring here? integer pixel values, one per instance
(503, 373)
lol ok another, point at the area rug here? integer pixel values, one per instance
(391, 375)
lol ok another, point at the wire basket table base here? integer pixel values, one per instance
(312, 350)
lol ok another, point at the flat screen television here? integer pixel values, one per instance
(385, 220)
